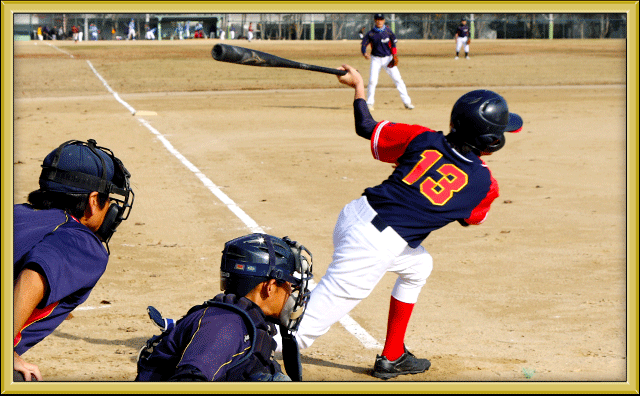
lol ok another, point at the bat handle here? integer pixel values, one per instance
(328, 70)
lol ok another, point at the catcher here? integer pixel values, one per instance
(230, 337)
(383, 55)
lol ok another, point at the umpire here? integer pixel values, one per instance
(230, 337)
(60, 244)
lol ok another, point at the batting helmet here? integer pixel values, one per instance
(252, 259)
(478, 121)
(78, 167)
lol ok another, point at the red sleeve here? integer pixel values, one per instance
(479, 213)
(389, 140)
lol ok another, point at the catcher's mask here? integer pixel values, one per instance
(252, 259)
(479, 120)
(78, 167)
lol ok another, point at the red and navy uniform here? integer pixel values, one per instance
(383, 42)
(432, 184)
(69, 256)
(462, 30)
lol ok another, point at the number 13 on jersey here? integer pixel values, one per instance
(440, 191)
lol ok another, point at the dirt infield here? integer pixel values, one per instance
(535, 294)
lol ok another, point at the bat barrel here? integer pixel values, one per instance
(226, 53)
(217, 51)
(247, 56)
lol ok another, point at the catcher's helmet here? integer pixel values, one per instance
(78, 167)
(256, 258)
(478, 121)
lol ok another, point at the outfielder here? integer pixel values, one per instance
(462, 38)
(437, 179)
(230, 337)
(383, 56)
(58, 251)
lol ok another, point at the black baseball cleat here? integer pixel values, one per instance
(405, 364)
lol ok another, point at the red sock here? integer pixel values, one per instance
(399, 314)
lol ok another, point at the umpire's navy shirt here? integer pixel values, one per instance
(69, 256)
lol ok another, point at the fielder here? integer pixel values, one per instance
(383, 56)
(230, 337)
(58, 251)
(462, 38)
(438, 179)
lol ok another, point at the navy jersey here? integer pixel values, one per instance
(383, 42)
(213, 342)
(69, 256)
(432, 184)
(211, 339)
(463, 30)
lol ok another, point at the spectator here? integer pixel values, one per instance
(94, 32)
(75, 32)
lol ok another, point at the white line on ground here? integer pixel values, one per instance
(349, 324)
(60, 49)
(89, 308)
(163, 94)
(115, 94)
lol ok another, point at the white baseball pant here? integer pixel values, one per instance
(378, 63)
(460, 41)
(362, 255)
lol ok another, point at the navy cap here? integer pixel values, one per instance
(76, 158)
(378, 16)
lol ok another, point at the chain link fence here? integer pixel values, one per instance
(325, 26)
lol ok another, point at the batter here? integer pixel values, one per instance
(437, 179)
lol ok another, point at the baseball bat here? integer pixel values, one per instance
(246, 56)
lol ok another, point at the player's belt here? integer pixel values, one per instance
(379, 223)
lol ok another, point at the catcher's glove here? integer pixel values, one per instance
(394, 61)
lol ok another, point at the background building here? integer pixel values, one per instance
(326, 26)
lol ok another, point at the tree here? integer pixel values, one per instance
(605, 24)
(426, 26)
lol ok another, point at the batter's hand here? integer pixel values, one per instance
(366, 56)
(27, 370)
(352, 79)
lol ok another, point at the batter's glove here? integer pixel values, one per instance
(394, 61)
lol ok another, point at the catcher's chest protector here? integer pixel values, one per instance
(259, 360)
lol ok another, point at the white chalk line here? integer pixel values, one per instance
(115, 94)
(90, 308)
(349, 324)
(60, 49)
